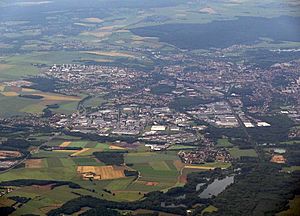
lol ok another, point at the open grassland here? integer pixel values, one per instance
(237, 153)
(86, 161)
(16, 71)
(119, 184)
(145, 157)
(157, 170)
(13, 105)
(224, 143)
(159, 165)
(181, 147)
(34, 163)
(128, 195)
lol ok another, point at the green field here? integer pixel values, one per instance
(86, 161)
(291, 142)
(181, 147)
(14, 105)
(145, 157)
(224, 143)
(237, 153)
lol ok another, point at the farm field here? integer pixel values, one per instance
(181, 147)
(151, 166)
(237, 153)
(292, 142)
(224, 143)
(102, 172)
(157, 171)
(14, 100)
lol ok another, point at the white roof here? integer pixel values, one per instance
(158, 128)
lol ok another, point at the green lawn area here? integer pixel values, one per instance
(78, 144)
(86, 161)
(180, 147)
(94, 102)
(159, 165)
(217, 164)
(119, 184)
(14, 105)
(237, 153)
(153, 167)
(145, 157)
(66, 107)
(224, 143)
(149, 174)
(128, 196)
(17, 71)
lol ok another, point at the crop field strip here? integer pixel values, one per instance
(104, 172)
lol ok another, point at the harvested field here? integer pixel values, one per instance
(34, 163)
(199, 167)
(4, 202)
(10, 94)
(9, 154)
(65, 144)
(28, 90)
(111, 54)
(46, 209)
(93, 20)
(101, 172)
(151, 183)
(56, 97)
(5, 66)
(43, 187)
(80, 152)
(67, 151)
(98, 34)
(178, 164)
(113, 147)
